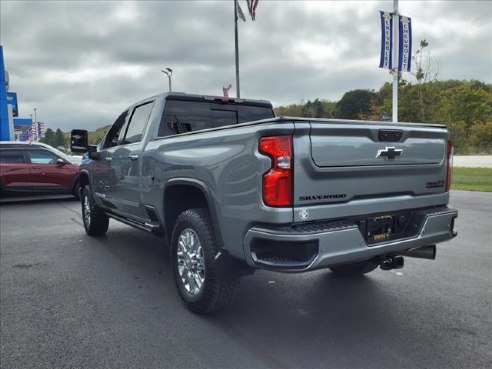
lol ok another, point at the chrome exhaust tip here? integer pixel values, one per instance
(425, 252)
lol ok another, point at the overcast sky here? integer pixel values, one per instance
(81, 63)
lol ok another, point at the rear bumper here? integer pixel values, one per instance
(318, 246)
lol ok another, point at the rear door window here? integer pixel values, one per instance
(11, 157)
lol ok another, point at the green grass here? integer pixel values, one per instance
(472, 179)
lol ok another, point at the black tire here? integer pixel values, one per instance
(200, 284)
(96, 222)
(76, 189)
(355, 269)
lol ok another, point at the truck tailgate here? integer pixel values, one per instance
(367, 167)
(336, 145)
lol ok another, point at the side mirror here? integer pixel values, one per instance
(93, 153)
(60, 162)
(79, 141)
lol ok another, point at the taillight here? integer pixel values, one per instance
(277, 182)
(450, 164)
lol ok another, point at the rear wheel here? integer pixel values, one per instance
(355, 269)
(201, 285)
(96, 222)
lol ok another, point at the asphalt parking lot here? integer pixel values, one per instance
(71, 301)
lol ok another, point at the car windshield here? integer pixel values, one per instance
(76, 159)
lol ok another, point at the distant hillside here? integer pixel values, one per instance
(97, 136)
(94, 137)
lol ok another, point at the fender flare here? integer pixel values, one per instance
(202, 186)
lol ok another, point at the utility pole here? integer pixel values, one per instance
(238, 89)
(395, 60)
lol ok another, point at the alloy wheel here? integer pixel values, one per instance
(191, 262)
(87, 211)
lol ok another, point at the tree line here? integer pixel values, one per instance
(54, 138)
(465, 107)
(60, 139)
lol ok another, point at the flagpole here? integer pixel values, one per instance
(35, 125)
(238, 90)
(395, 61)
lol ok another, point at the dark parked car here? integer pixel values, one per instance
(36, 168)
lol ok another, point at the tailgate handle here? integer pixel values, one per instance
(392, 135)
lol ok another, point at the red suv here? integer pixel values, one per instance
(36, 167)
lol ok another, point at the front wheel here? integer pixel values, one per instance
(355, 269)
(96, 222)
(76, 189)
(201, 285)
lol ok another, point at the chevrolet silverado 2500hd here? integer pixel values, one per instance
(234, 189)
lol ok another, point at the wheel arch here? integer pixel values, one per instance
(82, 178)
(181, 194)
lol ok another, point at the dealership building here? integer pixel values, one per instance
(13, 127)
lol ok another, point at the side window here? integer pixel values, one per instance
(116, 132)
(138, 122)
(41, 157)
(11, 157)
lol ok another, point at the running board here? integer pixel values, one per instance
(153, 228)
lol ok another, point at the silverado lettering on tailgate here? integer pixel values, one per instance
(323, 197)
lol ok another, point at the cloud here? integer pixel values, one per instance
(81, 63)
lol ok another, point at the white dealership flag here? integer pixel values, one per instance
(405, 44)
(386, 60)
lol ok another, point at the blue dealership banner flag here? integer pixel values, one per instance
(386, 60)
(405, 44)
(12, 100)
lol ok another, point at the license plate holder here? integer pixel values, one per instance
(380, 228)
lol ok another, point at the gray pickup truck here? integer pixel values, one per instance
(234, 189)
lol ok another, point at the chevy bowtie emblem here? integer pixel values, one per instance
(389, 153)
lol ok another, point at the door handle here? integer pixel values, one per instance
(133, 157)
(108, 158)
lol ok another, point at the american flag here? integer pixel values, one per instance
(33, 130)
(40, 130)
(25, 135)
(252, 4)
